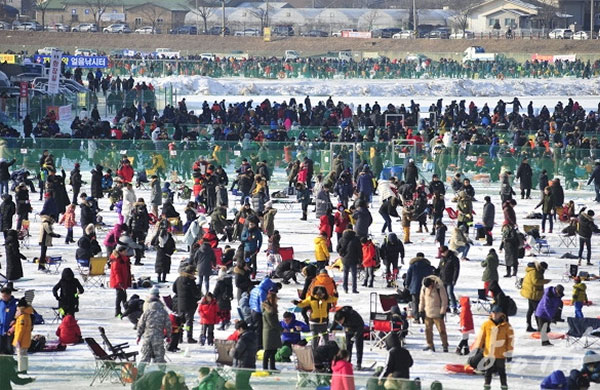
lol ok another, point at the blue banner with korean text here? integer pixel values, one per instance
(77, 61)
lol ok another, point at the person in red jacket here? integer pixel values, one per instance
(120, 277)
(126, 171)
(369, 262)
(208, 310)
(341, 220)
(326, 222)
(466, 325)
(343, 374)
(68, 331)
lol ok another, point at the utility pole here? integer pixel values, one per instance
(414, 7)
(197, 12)
(267, 15)
(592, 19)
(223, 18)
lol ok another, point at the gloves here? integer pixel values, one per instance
(295, 302)
(137, 341)
(421, 314)
(168, 340)
(61, 311)
(509, 359)
(76, 295)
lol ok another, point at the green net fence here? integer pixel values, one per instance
(482, 162)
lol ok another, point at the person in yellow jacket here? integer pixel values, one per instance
(579, 296)
(533, 288)
(496, 339)
(320, 303)
(321, 250)
(22, 333)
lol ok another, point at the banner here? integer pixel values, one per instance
(54, 74)
(267, 34)
(64, 113)
(23, 89)
(77, 61)
(554, 58)
(8, 58)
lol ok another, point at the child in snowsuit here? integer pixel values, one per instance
(321, 250)
(466, 325)
(579, 296)
(68, 220)
(208, 310)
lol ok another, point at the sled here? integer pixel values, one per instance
(551, 336)
(460, 369)
(568, 302)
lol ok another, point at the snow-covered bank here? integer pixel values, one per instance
(199, 85)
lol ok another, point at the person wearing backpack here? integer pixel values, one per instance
(506, 190)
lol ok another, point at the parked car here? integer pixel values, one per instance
(47, 50)
(315, 33)
(59, 27)
(117, 28)
(217, 30)
(580, 35)
(249, 32)
(291, 55)
(560, 33)
(385, 32)
(185, 30)
(85, 52)
(462, 35)
(341, 32)
(439, 33)
(406, 34)
(29, 26)
(208, 56)
(283, 31)
(5, 25)
(85, 27)
(147, 30)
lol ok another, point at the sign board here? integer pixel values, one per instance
(113, 17)
(81, 99)
(65, 113)
(554, 58)
(356, 34)
(54, 75)
(173, 153)
(267, 34)
(23, 151)
(77, 61)
(8, 58)
(23, 89)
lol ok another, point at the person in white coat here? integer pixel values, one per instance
(129, 199)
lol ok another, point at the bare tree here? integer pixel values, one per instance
(370, 18)
(98, 8)
(204, 9)
(153, 13)
(465, 8)
(41, 6)
(262, 14)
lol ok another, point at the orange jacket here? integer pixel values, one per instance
(369, 254)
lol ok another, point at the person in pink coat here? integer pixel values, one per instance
(112, 239)
(343, 374)
(68, 220)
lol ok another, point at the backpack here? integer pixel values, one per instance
(511, 307)
(38, 342)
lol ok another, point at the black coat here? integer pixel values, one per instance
(139, 220)
(449, 269)
(353, 322)
(76, 181)
(4, 165)
(363, 220)
(586, 225)
(595, 176)
(187, 294)
(543, 181)
(14, 268)
(87, 214)
(64, 291)
(324, 354)
(244, 353)
(398, 362)
(391, 249)
(489, 212)
(205, 260)
(7, 212)
(22, 200)
(223, 292)
(96, 184)
(242, 279)
(87, 247)
(349, 248)
(558, 194)
(411, 174)
(163, 256)
(524, 174)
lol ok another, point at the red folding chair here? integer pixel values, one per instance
(380, 323)
(286, 253)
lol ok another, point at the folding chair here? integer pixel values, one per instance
(53, 263)
(452, 214)
(482, 303)
(567, 241)
(222, 350)
(106, 367)
(583, 331)
(570, 272)
(117, 349)
(381, 324)
(56, 315)
(305, 365)
(95, 274)
(286, 253)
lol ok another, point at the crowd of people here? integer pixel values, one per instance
(232, 249)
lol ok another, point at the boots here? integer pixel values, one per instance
(407, 235)
(202, 340)
(303, 216)
(426, 229)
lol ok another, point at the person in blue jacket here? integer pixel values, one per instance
(546, 310)
(8, 307)
(364, 184)
(556, 380)
(252, 240)
(418, 270)
(291, 329)
(257, 296)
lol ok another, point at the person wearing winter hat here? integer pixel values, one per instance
(252, 240)
(547, 309)
(21, 331)
(579, 296)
